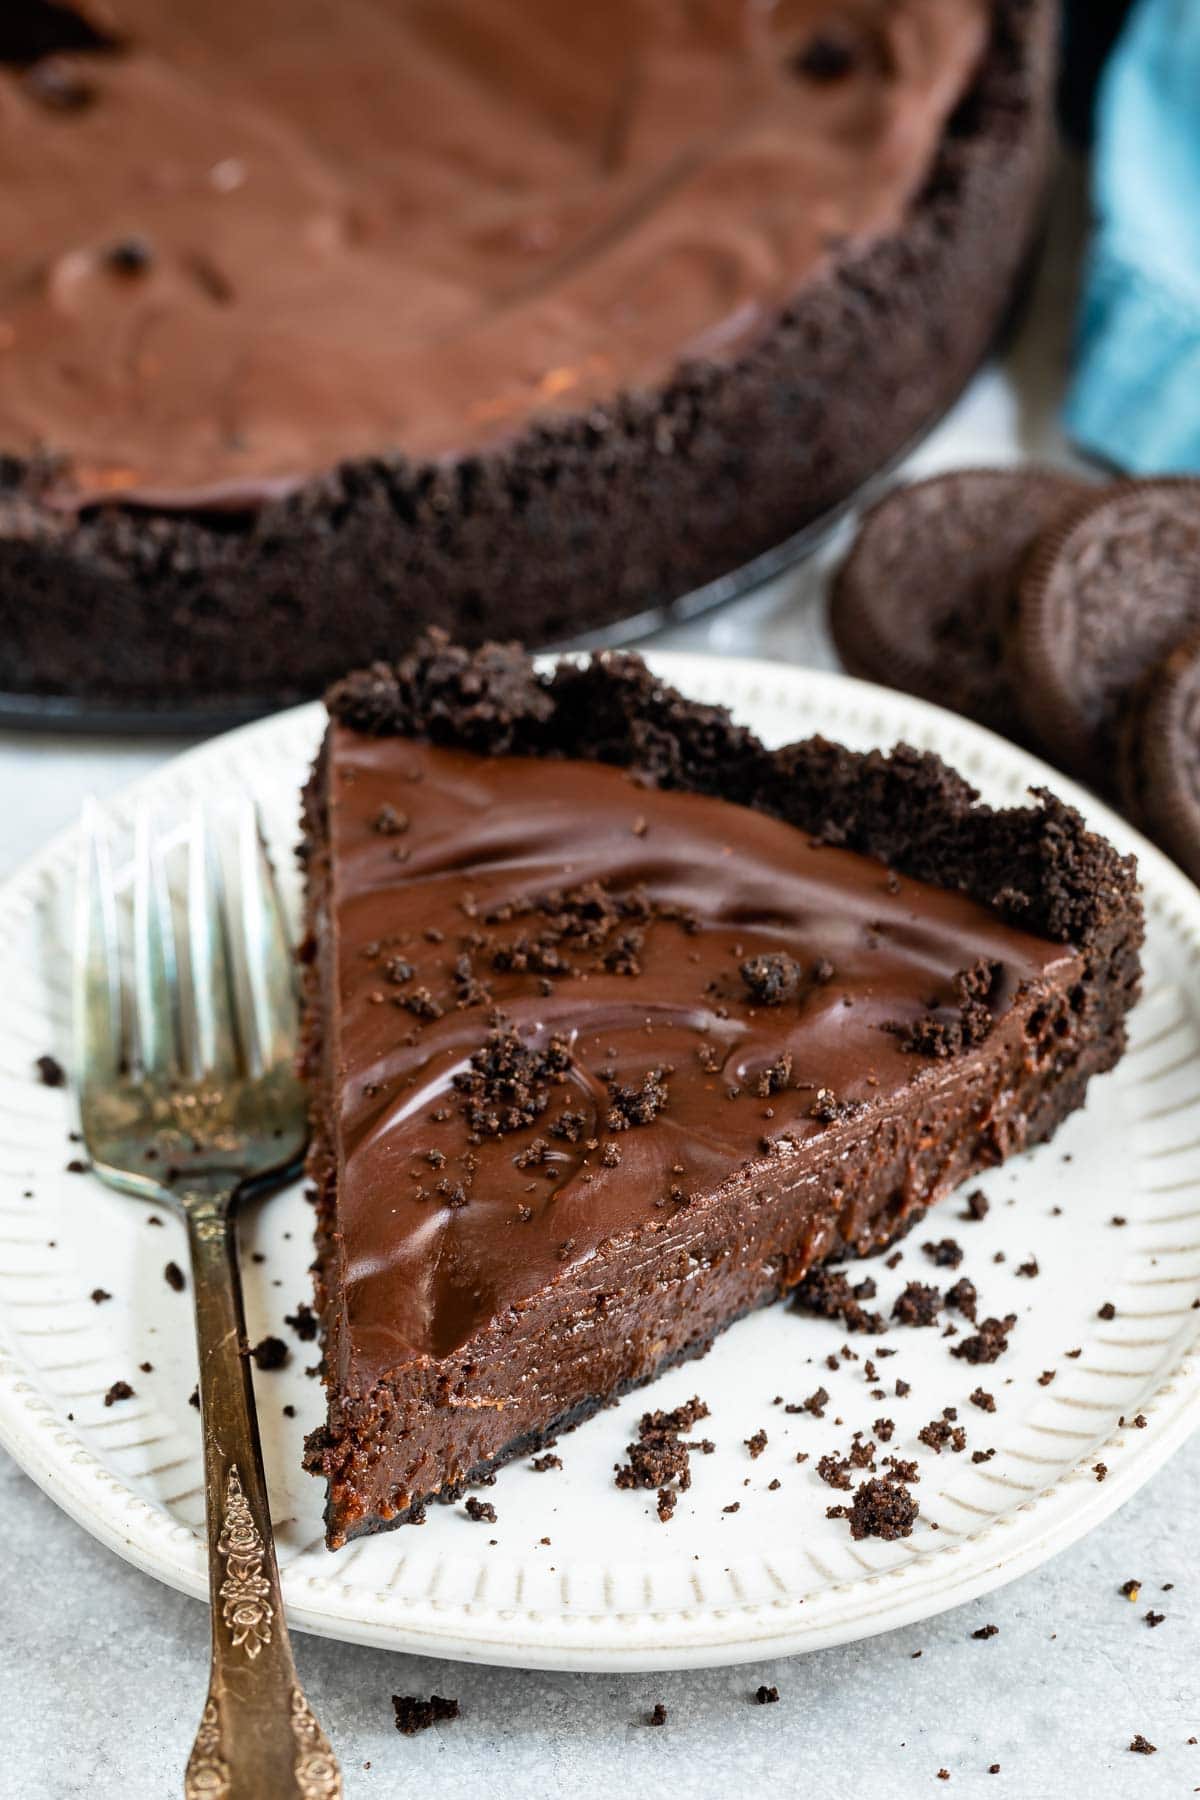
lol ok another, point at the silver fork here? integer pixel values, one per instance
(185, 1025)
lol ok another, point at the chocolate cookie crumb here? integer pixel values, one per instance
(917, 1305)
(1153, 1618)
(989, 1343)
(945, 1254)
(757, 1444)
(303, 1322)
(657, 1714)
(882, 1509)
(942, 1037)
(765, 1696)
(549, 1461)
(862, 1452)
(120, 1390)
(771, 979)
(775, 1078)
(829, 1109)
(270, 1353)
(507, 1085)
(964, 1298)
(174, 1277)
(986, 1631)
(659, 1457)
(413, 1715)
(941, 1434)
(816, 1403)
(422, 1005)
(977, 1205)
(834, 1470)
(1100, 1471)
(99, 1295)
(1130, 1589)
(481, 1511)
(51, 1073)
(1141, 1746)
(899, 1469)
(829, 1294)
(1107, 1311)
(983, 1400)
(638, 1103)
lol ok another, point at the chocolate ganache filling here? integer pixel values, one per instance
(571, 1002)
(249, 241)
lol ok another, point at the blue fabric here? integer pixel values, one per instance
(1135, 399)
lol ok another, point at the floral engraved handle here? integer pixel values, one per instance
(258, 1738)
(317, 1774)
(207, 1776)
(245, 1592)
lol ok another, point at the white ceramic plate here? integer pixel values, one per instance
(613, 1588)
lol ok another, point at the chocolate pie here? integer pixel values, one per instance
(320, 325)
(618, 1023)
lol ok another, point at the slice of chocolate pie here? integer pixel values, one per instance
(617, 1023)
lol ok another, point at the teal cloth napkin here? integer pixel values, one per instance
(1135, 395)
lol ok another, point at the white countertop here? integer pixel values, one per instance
(102, 1671)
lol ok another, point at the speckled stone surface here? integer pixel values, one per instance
(102, 1671)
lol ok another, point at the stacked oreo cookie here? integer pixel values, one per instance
(1062, 614)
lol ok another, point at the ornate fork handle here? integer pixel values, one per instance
(258, 1739)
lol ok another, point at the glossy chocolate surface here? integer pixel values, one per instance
(427, 847)
(246, 241)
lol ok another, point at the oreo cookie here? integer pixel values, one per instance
(1159, 760)
(922, 602)
(1105, 595)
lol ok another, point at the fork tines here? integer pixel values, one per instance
(182, 960)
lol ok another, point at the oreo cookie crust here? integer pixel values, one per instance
(1159, 764)
(1103, 598)
(575, 518)
(922, 602)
